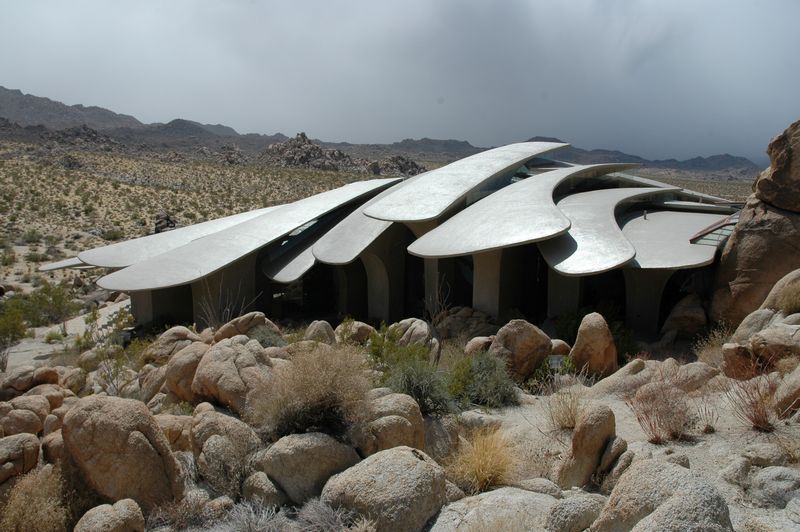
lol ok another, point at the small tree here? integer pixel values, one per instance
(12, 330)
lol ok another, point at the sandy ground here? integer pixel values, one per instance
(34, 351)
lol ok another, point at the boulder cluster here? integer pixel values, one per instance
(300, 152)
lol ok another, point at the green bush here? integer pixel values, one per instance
(266, 336)
(12, 330)
(482, 379)
(424, 383)
(48, 304)
(53, 337)
(32, 236)
(112, 234)
(385, 352)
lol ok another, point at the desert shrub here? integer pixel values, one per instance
(53, 337)
(542, 379)
(661, 411)
(36, 503)
(482, 379)
(12, 330)
(32, 236)
(190, 513)
(114, 370)
(8, 258)
(708, 346)
(266, 336)
(483, 461)
(706, 415)
(753, 402)
(254, 517)
(50, 303)
(423, 382)
(316, 516)
(564, 403)
(320, 390)
(113, 234)
(386, 352)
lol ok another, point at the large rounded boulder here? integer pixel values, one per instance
(400, 488)
(121, 451)
(523, 346)
(659, 495)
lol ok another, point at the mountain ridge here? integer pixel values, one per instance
(31, 111)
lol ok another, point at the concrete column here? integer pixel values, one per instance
(563, 294)
(486, 281)
(384, 263)
(226, 293)
(643, 291)
(142, 306)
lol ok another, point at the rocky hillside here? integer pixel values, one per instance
(29, 110)
(300, 152)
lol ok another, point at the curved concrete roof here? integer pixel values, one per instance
(435, 192)
(124, 254)
(350, 237)
(594, 243)
(662, 239)
(74, 262)
(206, 255)
(520, 213)
(290, 269)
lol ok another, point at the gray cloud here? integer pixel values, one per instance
(659, 79)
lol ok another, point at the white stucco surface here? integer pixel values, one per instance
(594, 243)
(520, 213)
(208, 254)
(662, 239)
(130, 252)
(435, 192)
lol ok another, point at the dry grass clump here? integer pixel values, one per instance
(753, 402)
(564, 406)
(320, 390)
(662, 412)
(482, 462)
(316, 516)
(190, 513)
(706, 415)
(36, 503)
(708, 347)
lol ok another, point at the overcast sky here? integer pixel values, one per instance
(658, 78)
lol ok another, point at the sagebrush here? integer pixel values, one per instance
(321, 390)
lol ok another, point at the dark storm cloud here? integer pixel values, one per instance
(660, 79)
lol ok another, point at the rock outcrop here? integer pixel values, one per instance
(122, 452)
(765, 245)
(231, 370)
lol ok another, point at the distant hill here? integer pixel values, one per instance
(572, 154)
(29, 110)
(40, 118)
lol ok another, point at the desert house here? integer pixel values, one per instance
(507, 228)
